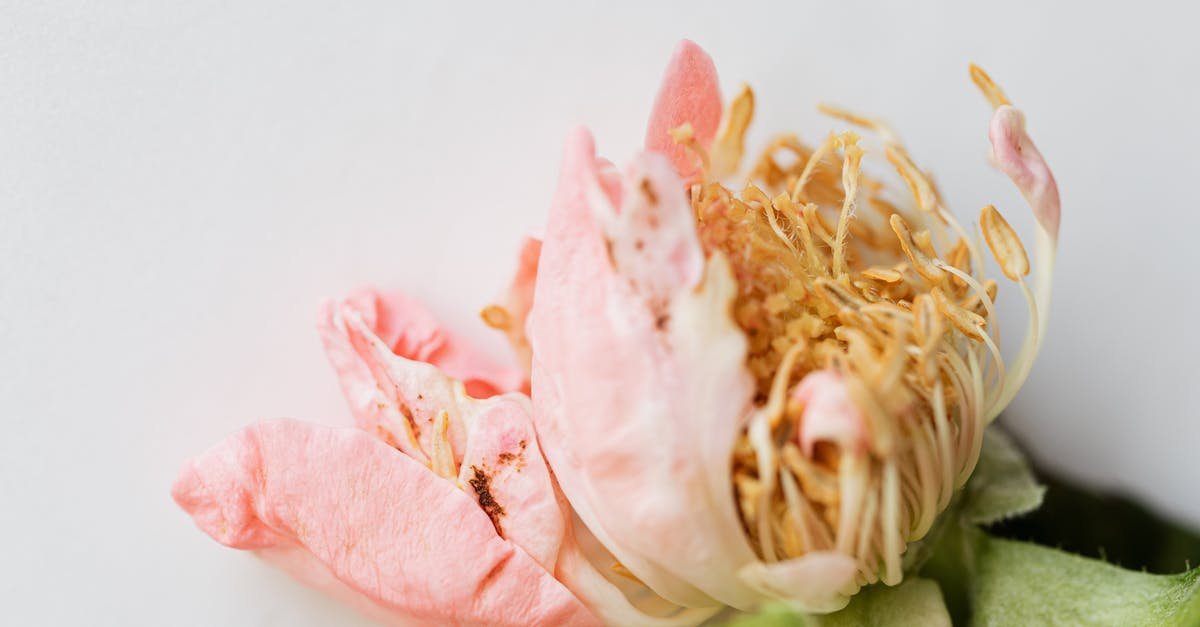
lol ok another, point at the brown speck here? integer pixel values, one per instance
(506, 457)
(648, 192)
(480, 483)
(661, 322)
(639, 244)
(412, 422)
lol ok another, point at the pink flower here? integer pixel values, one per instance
(767, 394)
(734, 396)
(438, 508)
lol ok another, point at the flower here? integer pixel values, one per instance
(767, 394)
(439, 507)
(720, 397)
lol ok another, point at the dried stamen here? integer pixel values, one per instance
(823, 288)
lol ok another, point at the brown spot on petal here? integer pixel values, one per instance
(648, 192)
(480, 482)
(516, 459)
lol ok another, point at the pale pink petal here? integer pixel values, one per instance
(830, 414)
(385, 526)
(503, 458)
(1016, 155)
(689, 94)
(396, 397)
(410, 331)
(617, 599)
(638, 379)
(820, 582)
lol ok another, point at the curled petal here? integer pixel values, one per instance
(501, 461)
(829, 413)
(410, 331)
(638, 380)
(819, 582)
(397, 398)
(689, 94)
(1017, 156)
(384, 527)
(613, 603)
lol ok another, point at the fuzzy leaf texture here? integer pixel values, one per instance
(915, 602)
(1002, 485)
(1018, 583)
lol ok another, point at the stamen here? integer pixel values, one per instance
(990, 90)
(728, 147)
(442, 458)
(1005, 245)
(892, 542)
(920, 261)
(910, 335)
(685, 136)
(850, 185)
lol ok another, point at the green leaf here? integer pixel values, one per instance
(916, 602)
(1017, 583)
(1106, 526)
(1002, 485)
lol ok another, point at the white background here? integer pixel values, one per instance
(181, 184)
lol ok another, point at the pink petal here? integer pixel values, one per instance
(829, 413)
(689, 93)
(503, 456)
(630, 602)
(638, 380)
(502, 450)
(820, 582)
(391, 390)
(388, 529)
(410, 331)
(1016, 155)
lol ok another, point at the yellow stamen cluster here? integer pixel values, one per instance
(893, 300)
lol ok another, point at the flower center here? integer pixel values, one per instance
(871, 339)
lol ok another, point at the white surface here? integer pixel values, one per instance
(182, 183)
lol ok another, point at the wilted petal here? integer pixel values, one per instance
(630, 603)
(391, 390)
(505, 468)
(382, 524)
(819, 582)
(501, 463)
(689, 94)
(410, 331)
(638, 379)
